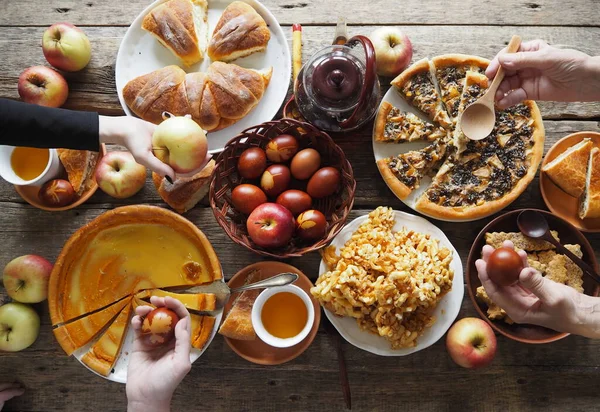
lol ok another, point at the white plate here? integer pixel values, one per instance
(384, 150)
(141, 53)
(119, 373)
(445, 312)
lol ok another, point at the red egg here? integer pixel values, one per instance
(158, 327)
(504, 266)
(282, 148)
(324, 182)
(275, 180)
(252, 163)
(311, 225)
(246, 198)
(296, 201)
(57, 193)
(305, 163)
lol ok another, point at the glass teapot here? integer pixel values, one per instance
(338, 89)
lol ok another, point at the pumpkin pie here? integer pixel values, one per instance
(104, 353)
(194, 301)
(78, 333)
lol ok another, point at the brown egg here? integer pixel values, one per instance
(296, 201)
(504, 266)
(305, 163)
(252, 163)
(324, 182)
(311, 225)
(57, 193)
(246, 198)
(282, 148)
(275, 180)
(158, 327)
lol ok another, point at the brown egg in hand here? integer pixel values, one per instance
(282, 148)
(246, 198)
(305, 163)
(252, 163)
(324, 182)
(57, 193)
(275, 180)
(158, 327)
(311, 225)
(504, 266)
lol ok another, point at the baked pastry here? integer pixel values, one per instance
(568, 170)
(450, 72)
(589, 203)
(185, 192)
(71, 336)
(393, 125)
(215, 99)
(240, 32)
(472, 179)
(403, 173)
(238, 321)
(194, 301)
(104, 353)
(80, 166)
(181, 26)
(416, 85)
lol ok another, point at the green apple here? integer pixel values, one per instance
(19, 326)
(181, 143)
(26, 278)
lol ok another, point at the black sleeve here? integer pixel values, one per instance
(23, 124)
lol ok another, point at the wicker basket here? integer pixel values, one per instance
(225, 177)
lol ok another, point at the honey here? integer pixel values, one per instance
(284, 315)
(28, 162)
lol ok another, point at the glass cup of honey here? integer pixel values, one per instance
(283, 316)
(25, 166)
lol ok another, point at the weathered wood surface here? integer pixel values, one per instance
(94, 87)
(553, 377)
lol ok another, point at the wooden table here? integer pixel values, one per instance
(555, 377)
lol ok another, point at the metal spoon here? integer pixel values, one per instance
(535, 225)
(477, 121)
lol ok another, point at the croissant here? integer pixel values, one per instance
(181, 26)
(240, 31)
(215, 99)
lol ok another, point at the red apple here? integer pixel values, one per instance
(19, 326)
(26, 278)
(270, 225)
(393, 50)
(181, 143)
(66, 47)
(44, 86)
(119, 176)
(471, 343)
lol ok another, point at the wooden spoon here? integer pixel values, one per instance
(477, 121)
(535, 225)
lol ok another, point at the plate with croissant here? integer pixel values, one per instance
(227, 64)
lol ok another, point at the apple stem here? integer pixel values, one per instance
(21, 284)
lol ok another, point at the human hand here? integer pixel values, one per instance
(9, 391)
(154, 373)
(539, 301)
(542, 72)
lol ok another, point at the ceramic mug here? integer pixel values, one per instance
(259, 328)
(51, 171)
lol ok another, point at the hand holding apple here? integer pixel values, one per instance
(66, 47)
(181, 143)
(26, 278)
(44, 86)
(19, 326)
(119, 176)
(471, 343)
(393, 50)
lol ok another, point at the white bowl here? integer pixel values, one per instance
(259, 328)
(51, 171)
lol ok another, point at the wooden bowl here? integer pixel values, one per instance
(558, 201)
(225, 177)
(507, 222)
(30, 193)
(257, 351)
